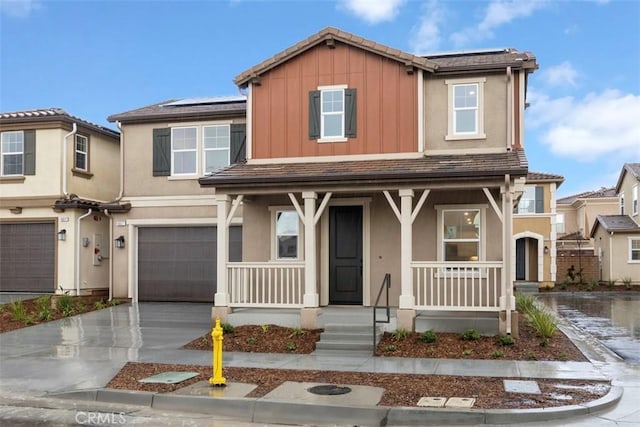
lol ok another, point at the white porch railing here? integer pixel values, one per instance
(265, 284)
(457, 286)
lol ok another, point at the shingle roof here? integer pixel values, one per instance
(633, 169)
(185, 109)
(331, 35)
(74, 202)
(489, 59)
(544, 177)
(52, 114)
(616, 224)
(603, 192)
(428, 168)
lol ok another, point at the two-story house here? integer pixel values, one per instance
(169, 232)
(364, 160)
(58, 173)
(617, 237)
(534, 232)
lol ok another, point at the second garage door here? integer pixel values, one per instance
(179, 263)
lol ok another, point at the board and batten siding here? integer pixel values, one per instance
(386, 104)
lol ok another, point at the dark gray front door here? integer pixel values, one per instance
(179, 263)
(345, 255)
(521, 259)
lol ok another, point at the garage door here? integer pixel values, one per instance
(27, 257)
(179, 263)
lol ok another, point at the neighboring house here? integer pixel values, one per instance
(169, 233)
(57, 175)
(364, 160)
(534, 231)
(617, 237)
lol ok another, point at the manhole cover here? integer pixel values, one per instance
(329, 390)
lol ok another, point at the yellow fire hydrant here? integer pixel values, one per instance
(216, 336)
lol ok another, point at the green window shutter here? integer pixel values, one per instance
(162, 152)
(238, 143)
(350, 121)
(314, 114)
(29, 152)
(539, 199)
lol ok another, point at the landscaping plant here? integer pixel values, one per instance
(470, 335)
(428, 337)
(544, 324)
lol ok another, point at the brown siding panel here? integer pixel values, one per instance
(386, 104)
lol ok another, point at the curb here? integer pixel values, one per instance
(258, 410)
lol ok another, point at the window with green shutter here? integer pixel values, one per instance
(332, 114)
(162, 152)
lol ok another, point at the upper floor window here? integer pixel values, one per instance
(332, 113)
(532, 200)
(466, 112)
(621, 203)
(81, 158)
(461, 234)
(12, 153)
(177, 150)
(559, 223)
(634, 200)
(634, 249)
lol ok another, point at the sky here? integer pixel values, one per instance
(97, 58)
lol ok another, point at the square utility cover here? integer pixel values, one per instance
(432, 402)
(169, 377)
(518, 386)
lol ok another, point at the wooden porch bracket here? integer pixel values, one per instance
(322, 207)
(494, 205)
(297, 206)
(416, 210)
(234, 206)
(392, 204)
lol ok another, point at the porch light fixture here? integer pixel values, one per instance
(119, 242)
(62, 235)
(546, 249)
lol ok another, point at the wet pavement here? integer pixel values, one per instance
(612, 318)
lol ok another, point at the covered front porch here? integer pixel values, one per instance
(315, 244)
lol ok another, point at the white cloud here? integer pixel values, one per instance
(426, 35)
(18, 8)
(498, 13)
(373, 11)
(586, 129)
(560, 75)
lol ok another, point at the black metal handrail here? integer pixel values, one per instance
(385, 285)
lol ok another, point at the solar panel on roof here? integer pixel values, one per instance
(205, 101)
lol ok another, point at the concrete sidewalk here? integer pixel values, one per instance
(81, 354)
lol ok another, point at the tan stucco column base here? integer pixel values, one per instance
(406, 319)
(309, 318)
(502, 328)
(220, 313)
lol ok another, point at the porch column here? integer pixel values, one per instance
(507, 301)
(221, 304)
(406, 312)
(311, 299)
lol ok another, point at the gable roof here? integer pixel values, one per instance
(633, 169)
(544, 177)
(370, 172)
(602, 192)
(483, 59)
(615, 224)
(52, 115)
(185, 109)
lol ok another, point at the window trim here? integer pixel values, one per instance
(482, 244)
(634, 200)
(173, 151)
(560, 229)
(274, 238)
(85, 169)
(343, 137)
(452, 135)
(621, 198)
(12, 153)
(204, 149)
(630, 259)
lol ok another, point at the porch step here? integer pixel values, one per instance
(346, 339)
(527, 287)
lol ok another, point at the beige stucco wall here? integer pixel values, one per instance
(615, 256)
(628, 182)
(95, 227)
(104, 165)
(138, 154)
(436, 114)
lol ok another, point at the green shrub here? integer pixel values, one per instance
(498, 353)
(99, 305)
(467, 352)
(564, 356)
(593, 283)
(227, 328)
(290, 346)
(531, 355)
(390, 348)
(525, 302)
(43, 302)
(296, 332)
(627, 282)
(18, 310)
(544, 324)
(611, 283)
(505, 340)
(400, 334)
(114, 302)
(65, 305)
(265, 328)
(80, 307)
(470, 335)
(251, 341)
(428, 337)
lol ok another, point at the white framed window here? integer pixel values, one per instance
(286, 225)
(81, 158)
(559, 223)
(12, 149)
(466, 111)
(621, 203)
(460, 233)
(332, 113)
(634, 200)
(634, 249)
(184, 150)
(216, 142)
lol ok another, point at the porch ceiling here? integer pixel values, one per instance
(429, 170)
